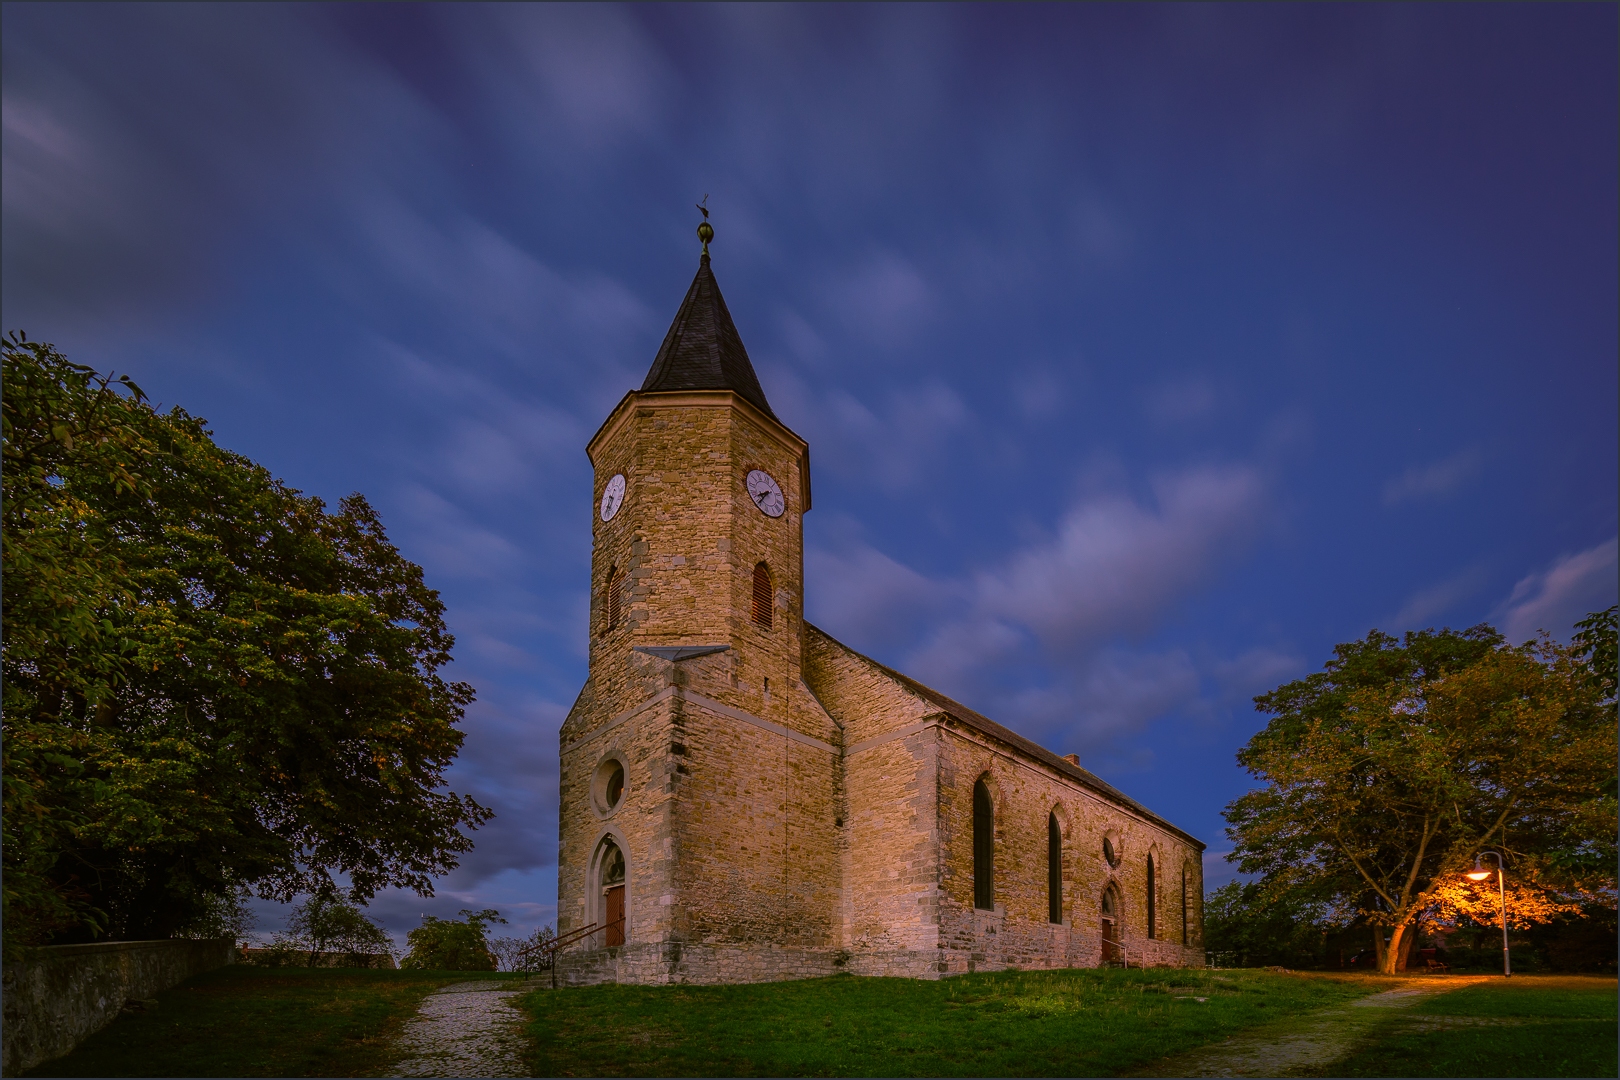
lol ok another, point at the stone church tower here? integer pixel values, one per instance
(744, 798)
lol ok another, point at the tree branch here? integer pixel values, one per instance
(1417, 863)
(1357, 864)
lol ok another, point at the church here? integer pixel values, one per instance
(745, 798)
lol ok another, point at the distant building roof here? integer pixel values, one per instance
(702, 350)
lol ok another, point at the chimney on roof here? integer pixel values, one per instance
(1072, 759)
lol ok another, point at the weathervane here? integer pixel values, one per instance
(705, 230)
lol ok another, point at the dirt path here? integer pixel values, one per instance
(466, 1029)
(1302, 1042)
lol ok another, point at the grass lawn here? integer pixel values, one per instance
(1048, 1023)
(1529, 1025)
(247, 1021)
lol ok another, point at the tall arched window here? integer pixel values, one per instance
(762, 596)
(610, 599)
(1152, 890)
(1184, 912)
(984, 849)
(1054, 870)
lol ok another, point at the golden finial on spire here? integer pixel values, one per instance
(705, 230)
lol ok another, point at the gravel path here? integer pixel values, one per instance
(1303, 1042)
(466, 1029)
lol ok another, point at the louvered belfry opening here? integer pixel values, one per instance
(984, 849)
(1054, 870)
(762, 596)
(1152, 891)
(611, 607)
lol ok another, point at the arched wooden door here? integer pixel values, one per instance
(613, 896)
(1110, 928)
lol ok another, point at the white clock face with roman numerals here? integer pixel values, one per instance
(765, 492)
(613, 497)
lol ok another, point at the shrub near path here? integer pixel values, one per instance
(1040, 1023)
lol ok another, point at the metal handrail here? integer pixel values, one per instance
(545, 953)
(1124, 953)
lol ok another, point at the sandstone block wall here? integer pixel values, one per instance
(756, 840)
(1019, 933)
(642, 826)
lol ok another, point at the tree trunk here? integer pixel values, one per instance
(1378, 946)
(1401, 939)
(1408, 947)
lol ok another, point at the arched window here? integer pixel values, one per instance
(984, 849)
(610, 599)
(1054, 870)
(1110, 927)
(1184, 913)
(1151, 889)
(762, 596)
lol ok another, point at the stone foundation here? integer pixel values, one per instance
(672, 962)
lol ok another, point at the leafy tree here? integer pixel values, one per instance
(521, 954)
(453, 945)
(329, 922)
(224, 915)
(1243, 923)
(209, 679)
(1390, 769)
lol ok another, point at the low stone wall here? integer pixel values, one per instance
(56, 996)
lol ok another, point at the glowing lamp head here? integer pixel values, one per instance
(1477, 875)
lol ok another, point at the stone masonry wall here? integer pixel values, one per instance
(890, 869)
(59, 995)
(756, 840)
(1018, 932)
(642, 825)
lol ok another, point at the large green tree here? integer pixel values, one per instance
(210, 680)
(1389, 770)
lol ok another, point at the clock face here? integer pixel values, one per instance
(766, 494)
(613, 497)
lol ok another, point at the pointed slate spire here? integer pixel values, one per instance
(702, 350)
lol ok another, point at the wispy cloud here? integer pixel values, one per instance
(889, 441)
(1556, 598)
(1117, 561)
(1181, 400)
(883, 300)
(1255, 670)
(1048, 610)
(1433, 480)
(1439, 598)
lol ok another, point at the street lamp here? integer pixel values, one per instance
(1480, 873)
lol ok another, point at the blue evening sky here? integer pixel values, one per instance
(1145, 352)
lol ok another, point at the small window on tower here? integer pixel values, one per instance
(762, 596)
(611, 602)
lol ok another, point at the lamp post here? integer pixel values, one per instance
(1480, 873)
